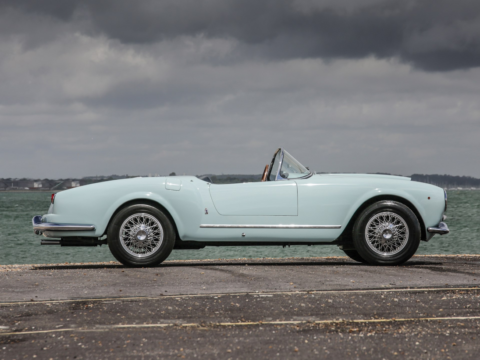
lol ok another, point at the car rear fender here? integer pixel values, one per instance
(141, 198)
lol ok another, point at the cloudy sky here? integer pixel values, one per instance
(215, 86)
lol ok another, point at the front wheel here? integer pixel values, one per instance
(140, 235)
(386, 233)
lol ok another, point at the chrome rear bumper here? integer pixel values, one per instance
(441, 229)
(39, 227)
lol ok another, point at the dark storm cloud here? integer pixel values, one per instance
(212, 86)
(434, 35)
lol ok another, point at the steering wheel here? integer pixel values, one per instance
(265, 173)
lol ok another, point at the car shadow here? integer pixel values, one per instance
(411, 263)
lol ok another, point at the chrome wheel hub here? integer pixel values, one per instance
(141, 235)
(386, 233)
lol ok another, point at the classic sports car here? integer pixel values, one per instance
(376, 219)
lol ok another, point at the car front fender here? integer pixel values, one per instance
(427, 201)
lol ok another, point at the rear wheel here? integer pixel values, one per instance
(386, 233)
(141, 235)
(354, 255)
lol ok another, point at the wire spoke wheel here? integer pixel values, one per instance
(141, 235)
(386, 233)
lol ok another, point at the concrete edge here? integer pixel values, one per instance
(22, 267)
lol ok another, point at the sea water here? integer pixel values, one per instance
(18, 244)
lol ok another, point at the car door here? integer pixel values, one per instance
(269, 198)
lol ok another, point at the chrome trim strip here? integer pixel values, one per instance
(39, 226)
(441, 229)
(231, 226)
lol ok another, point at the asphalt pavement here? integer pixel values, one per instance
(242, 309)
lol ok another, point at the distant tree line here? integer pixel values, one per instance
(448, 181)
(6, 184)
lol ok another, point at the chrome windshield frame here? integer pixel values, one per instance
(278, 177)
(273, 161)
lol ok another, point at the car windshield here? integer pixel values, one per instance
(285, 167)
(291, 167)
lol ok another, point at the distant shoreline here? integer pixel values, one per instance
(30, 191)
(449, 182)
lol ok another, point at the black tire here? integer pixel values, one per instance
(131, 256)
(380, 218)
(354, 255)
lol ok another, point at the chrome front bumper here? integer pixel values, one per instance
(441, 229)
(39, 227)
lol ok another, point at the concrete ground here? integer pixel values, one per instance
(242, 309)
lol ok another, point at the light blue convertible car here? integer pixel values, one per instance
(376, 219)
